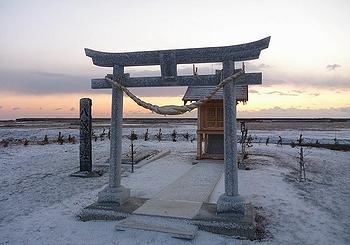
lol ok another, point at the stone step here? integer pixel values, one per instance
(175, 228)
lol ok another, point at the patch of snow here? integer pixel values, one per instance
(39, 201)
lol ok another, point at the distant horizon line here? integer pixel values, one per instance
(28, 119)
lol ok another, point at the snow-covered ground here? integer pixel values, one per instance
(39, 201)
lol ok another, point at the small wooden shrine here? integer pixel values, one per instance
(210, 131)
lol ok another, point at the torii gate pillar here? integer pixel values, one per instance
(115, 192)
(230, 201)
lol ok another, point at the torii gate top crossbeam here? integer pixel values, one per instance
(241, 52)
(168, 60)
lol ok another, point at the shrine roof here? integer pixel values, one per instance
(195, 93)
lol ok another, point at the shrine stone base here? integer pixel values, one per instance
(231, 205)
(245, 227)
(118, 195)
(111, 210)
(241, 226)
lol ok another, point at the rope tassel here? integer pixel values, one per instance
(174, 109)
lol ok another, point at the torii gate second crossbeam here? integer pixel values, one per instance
(230, 201)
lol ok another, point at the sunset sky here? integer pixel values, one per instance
(44, 71)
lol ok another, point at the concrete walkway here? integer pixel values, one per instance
(184, 197)
(181, 199)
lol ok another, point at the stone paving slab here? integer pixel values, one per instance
(176, 228)
(196, 185)
(184, 197)
(170, 208)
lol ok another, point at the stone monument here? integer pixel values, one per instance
(85, 147)
(85, 135)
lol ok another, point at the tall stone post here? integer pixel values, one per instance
(115, 192)
(85, 135)
(230, 201)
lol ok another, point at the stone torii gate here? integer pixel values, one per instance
(230, 201)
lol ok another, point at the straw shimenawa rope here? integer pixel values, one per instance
(174, 109)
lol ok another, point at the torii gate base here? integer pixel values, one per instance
(207, 220)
